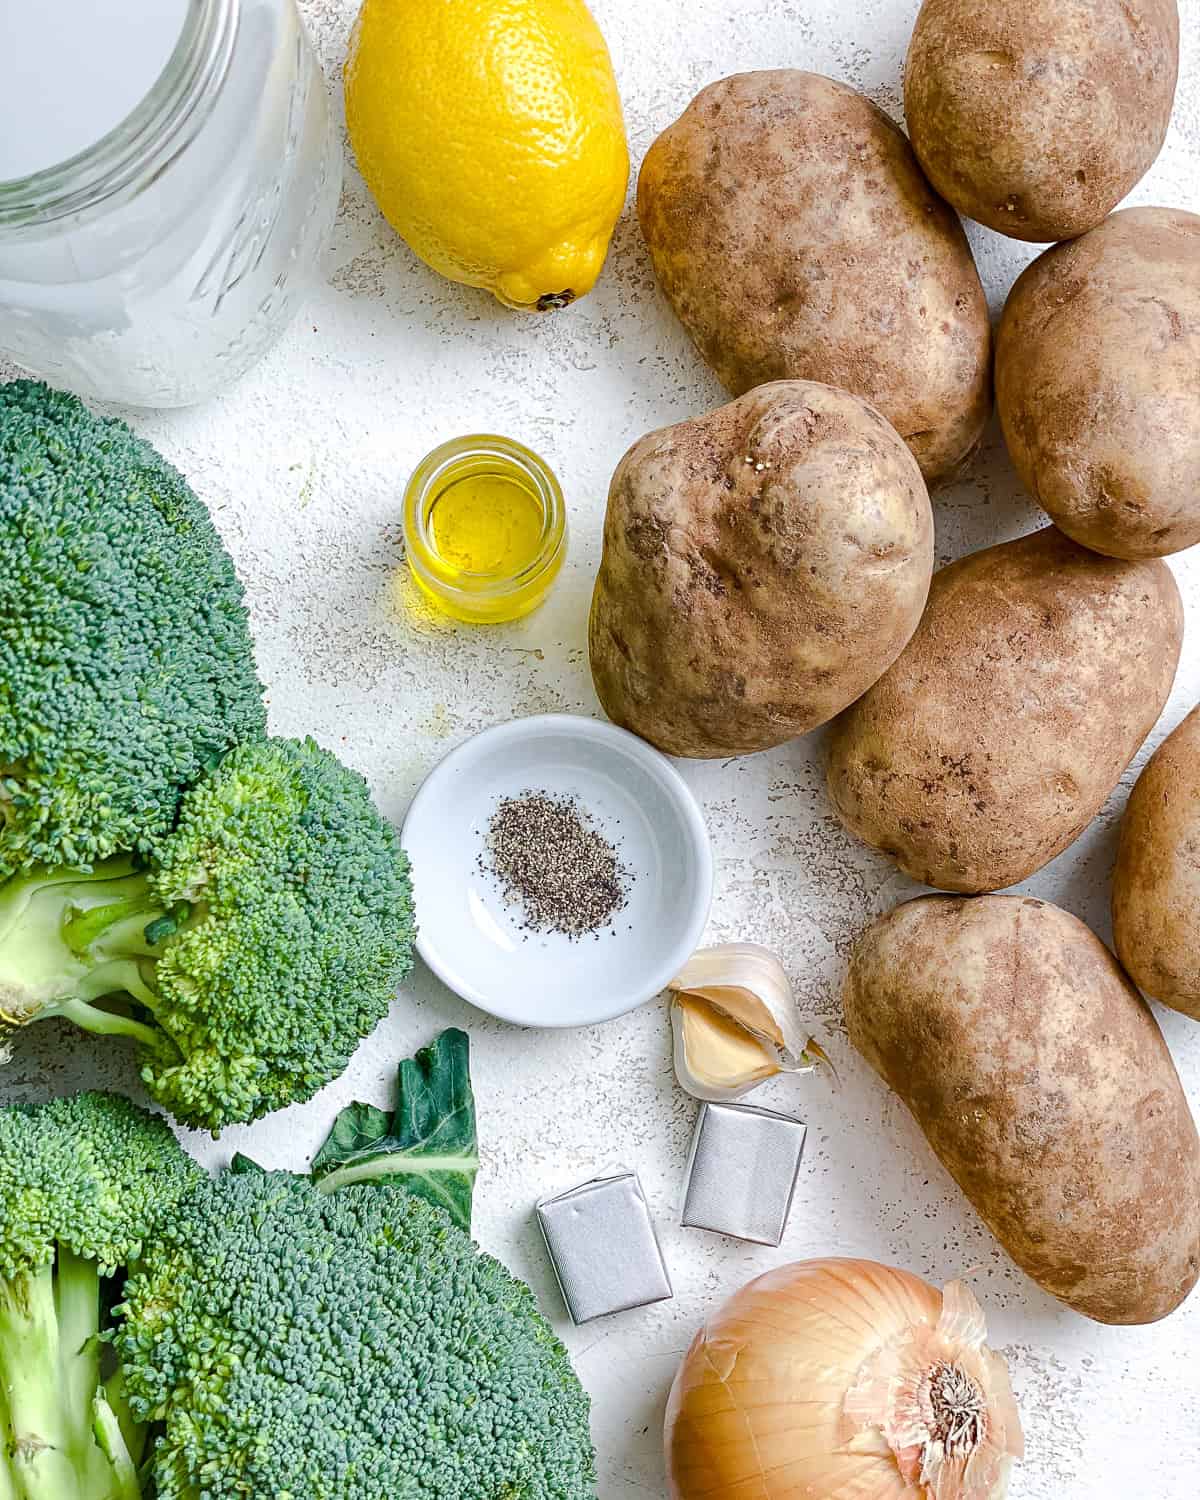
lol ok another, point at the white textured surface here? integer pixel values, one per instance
(304, 465)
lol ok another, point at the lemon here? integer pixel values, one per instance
(490, 133)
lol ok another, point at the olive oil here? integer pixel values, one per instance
(485, 528)
(487, 523)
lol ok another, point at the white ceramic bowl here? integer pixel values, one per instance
(473, 941)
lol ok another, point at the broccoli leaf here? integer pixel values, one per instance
(428, 1145)
(242, 1166)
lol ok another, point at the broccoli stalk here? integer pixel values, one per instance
(84, 1182)
(55, 1405)
(70, 938)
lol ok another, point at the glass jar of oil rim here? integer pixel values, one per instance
(485, 528)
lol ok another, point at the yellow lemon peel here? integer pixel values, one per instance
(490, 135)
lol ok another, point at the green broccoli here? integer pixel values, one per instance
(248, 953)
(266, 1336)
(126, 663)
(83, 1182)
(305, 1344)
(344, 1347)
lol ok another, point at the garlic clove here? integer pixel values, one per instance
(735, 1023)
(746, 1009)
(715, 1058)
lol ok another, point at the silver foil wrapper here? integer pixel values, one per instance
(603, 1247)
(742, 1174)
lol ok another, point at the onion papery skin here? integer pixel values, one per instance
(758, 1407)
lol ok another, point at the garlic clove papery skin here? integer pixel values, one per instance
(815, 1380)
(735, 1023)
(747, 982)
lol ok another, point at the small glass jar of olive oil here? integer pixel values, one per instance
(485, 528)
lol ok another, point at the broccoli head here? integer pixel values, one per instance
(83, 1182)
(247, 953)
(344, 1346)
(270, 1336)
(126, 663)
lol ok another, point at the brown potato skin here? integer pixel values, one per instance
(1156, 882)
(762, 566)
(1036, 117)
(795, 236)
(1096, 366)
(1044, 1085)
(1037, 671)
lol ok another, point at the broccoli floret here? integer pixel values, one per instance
(344, 1347)
(126, 663)
(256, 945)
(83, 1182)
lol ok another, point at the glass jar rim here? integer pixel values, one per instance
(146, 142)
(424, 479)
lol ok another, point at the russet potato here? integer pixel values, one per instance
(992, 742)
(1042, 1081)
(1096, 379)
(1036, 117)
(1156, 883)
(795, 236)
(763, 564)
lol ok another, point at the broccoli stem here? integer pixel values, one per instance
(110, 1441)
(70, 938)
(63, 1440)
(77, 1307)
(77, 1297)
(133, 1432)
(38, 1440)
(102, 1022)
(8, 1483)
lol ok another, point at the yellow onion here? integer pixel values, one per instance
(842, 1380)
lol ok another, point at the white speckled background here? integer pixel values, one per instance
(304, 465)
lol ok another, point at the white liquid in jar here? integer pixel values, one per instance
(72, 70)
(161, 293)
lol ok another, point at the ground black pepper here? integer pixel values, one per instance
(553, 863)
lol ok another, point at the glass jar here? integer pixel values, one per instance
(485, 528)
(158, 265)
